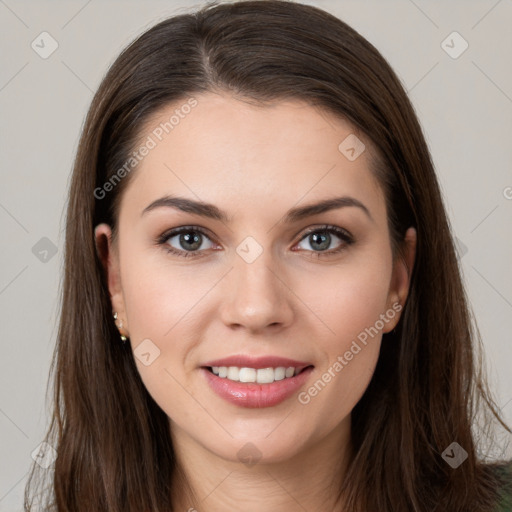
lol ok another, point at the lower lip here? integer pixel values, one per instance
(252, 394)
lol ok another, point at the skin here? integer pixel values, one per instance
(255, 163)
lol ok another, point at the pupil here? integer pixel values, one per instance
(325, 237)
(189, 238)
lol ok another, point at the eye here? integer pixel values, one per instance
(320, 239)
(185, 241)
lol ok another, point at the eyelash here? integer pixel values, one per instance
(340, 233)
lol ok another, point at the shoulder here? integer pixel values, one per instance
(504, 471)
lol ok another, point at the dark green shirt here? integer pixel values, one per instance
(505, 504)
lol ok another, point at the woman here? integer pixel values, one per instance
(262, 305)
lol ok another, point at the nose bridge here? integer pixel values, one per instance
(256, 296)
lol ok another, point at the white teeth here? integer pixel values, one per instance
(266, 375)
(279, 373)
(247, 375)
(233, 373)
(260, 375)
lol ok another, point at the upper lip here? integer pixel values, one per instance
(257, 362)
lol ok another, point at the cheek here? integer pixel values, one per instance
(157, 302)
(351, 307)
(163, 305)
(348, 299)
(144, 300)
(156, 295)
(353, 317)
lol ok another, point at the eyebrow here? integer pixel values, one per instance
(295, 214)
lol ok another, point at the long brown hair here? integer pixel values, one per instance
(113, 445)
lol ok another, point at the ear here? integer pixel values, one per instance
(109, 257)
(401, 277)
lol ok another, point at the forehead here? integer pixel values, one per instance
(225, 149)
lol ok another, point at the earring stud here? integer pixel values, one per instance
(123, 337)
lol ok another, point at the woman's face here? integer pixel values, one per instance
(252, 276)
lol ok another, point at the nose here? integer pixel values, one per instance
(256, 296)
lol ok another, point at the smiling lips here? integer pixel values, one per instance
(255, 381)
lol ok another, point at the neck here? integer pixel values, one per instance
(308, 480)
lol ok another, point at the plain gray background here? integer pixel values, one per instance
(464, 103)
